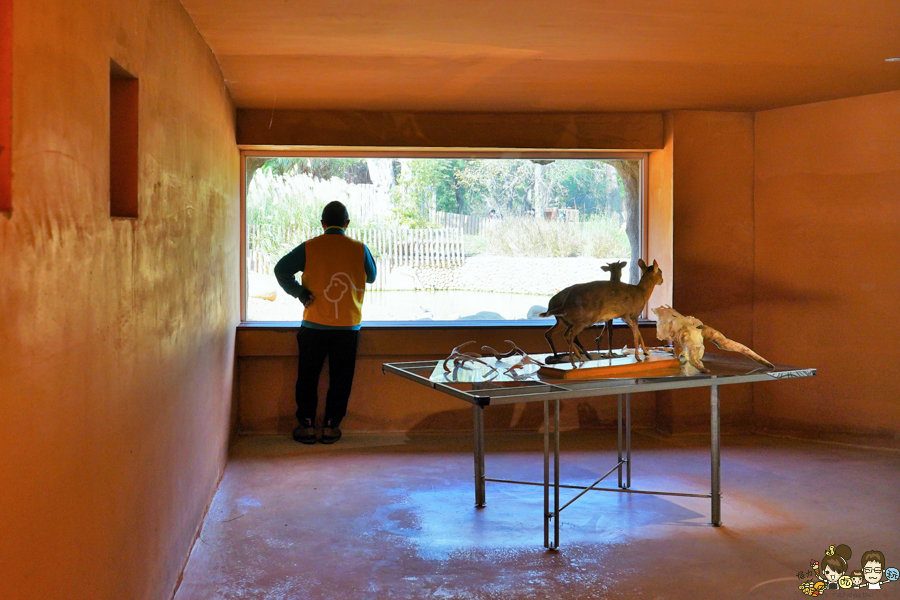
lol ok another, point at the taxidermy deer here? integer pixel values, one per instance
(688, 335)
(581, 305)
(615, 274)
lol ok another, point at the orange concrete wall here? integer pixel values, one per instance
(712, 225)
(5, 102)
(116, 336)
(827, 241)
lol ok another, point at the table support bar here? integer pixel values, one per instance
(587, 489)
(597, 489)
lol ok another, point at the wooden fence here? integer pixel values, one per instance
(390, 247)
(469, 224)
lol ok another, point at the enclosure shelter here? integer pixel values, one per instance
(768, 136)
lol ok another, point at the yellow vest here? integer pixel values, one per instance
(335, 273)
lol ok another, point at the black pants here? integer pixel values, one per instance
(339, 345)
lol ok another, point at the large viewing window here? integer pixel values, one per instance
(454, 238)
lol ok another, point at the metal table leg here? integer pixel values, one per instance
(556, 474)
(619, 426)
(478, 426)
(546, 473)
(714, 446)
(627, 440)
(554, 514)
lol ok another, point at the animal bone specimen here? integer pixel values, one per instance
(460, 358)
(514, 351)
(581, 305)
(688, 335)
(525, 360)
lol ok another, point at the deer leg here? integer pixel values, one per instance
(638, 340)
(581, 347)
(568, 335)
(600, 335)
(584, 355)
(549, 335)
(604, 327)
(608, 326)
(568, 339)
(571, 336)
(641, 340)
(574, 343)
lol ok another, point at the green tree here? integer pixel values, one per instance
(587, 185)
(502, 184)
(452, 195)
(629, 172)
(416, 191)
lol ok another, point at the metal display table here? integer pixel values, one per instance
(481, 388)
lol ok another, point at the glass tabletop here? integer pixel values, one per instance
(495, 381)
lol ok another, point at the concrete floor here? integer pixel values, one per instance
(377, 517)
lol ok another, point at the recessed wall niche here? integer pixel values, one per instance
(123, 143)
(5, 105)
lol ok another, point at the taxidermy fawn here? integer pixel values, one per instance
(614, 270)
(615, 274)
(581, 305)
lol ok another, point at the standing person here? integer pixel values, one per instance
(335, 272)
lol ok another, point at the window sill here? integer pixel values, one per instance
(415, 340)
(382, 325)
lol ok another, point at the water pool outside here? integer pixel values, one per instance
(443, 305)
(504, 285)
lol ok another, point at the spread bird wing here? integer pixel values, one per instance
(724, 343)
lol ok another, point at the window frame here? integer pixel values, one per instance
(394, 152)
